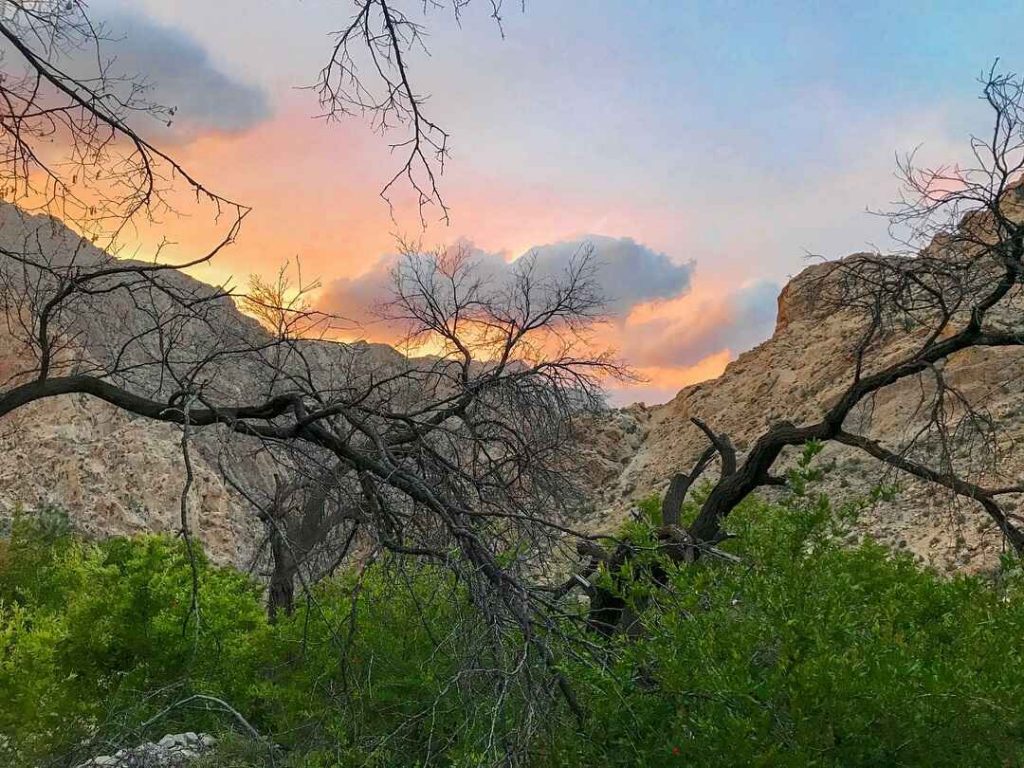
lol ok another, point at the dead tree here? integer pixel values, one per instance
(461, 458)
(956, 288)
(60, 124)
(464, 458)
(73, 143)
(368, 74)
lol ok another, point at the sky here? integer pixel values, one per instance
(707, 150)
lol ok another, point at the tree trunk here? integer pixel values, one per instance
(281, 595)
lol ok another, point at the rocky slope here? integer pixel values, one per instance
(793, 376)
(119, 474)
(116, 473)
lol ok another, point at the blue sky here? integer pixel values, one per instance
(737, 136)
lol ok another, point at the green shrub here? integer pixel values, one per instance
(809, 654)
(97, 639)
(804, 654)
(94, 637)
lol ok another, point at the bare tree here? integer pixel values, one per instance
(74, 128)
(73, 142)
(464, 458)
(379, 40)
(957, 287)
(958, 290)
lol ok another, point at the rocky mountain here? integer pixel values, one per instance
(116, 473)
(120, 474)
(795, 375)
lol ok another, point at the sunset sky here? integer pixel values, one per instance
(704, 148)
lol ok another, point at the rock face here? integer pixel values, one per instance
(114, 473)
(119, 474)
(794, 376)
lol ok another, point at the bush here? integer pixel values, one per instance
(804, 654)
(95, 637)
(810, 654)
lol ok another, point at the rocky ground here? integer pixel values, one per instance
(172, 751)
(795, 375)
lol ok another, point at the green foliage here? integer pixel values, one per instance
(804, 654)
(97, 639)
(650, 510)
(806, 471)
(94, 636)
(811, 654)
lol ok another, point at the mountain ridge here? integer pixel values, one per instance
(121, 474)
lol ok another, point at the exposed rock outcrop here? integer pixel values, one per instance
(118, 474)
(794, 376)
